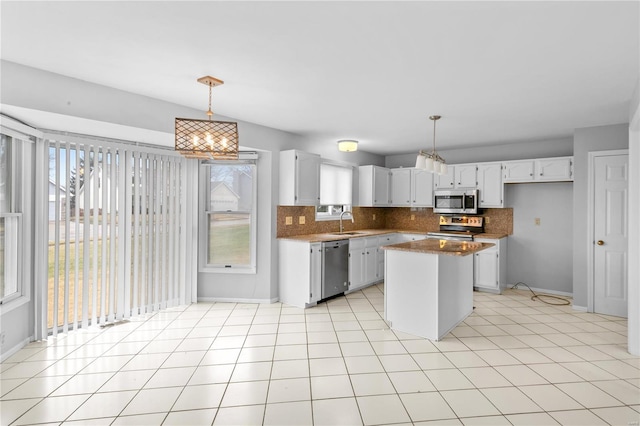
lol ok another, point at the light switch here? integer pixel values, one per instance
(374, 216)
(288, 220)
(301, 220)
(537, 221)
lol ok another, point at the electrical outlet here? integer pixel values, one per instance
(374, 216)
(301, 220)
(486, 220)
(537, 221)
(288, 220)
(413, 217)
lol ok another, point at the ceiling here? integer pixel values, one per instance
(497, 72)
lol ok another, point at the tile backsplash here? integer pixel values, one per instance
(500, 221)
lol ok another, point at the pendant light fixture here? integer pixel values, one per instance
(431, 161)
(207, 139)
(347, 145)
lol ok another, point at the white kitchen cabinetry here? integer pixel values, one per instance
(554, 169)
(299, 178)
(404, 237)
(384, 240)
(411, 188)
(363, 262)
(490, 187)
(518, 171)
(400, 192)
(421, 188)
(465, 176)
(490, 266)
(445, 181)
(373, 186)
(300, 265)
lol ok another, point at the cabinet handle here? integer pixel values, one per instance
(540, 174)
(530, 174)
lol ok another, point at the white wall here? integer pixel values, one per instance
(541, 255)
(499, 152)
(101, 111)
(587, 140)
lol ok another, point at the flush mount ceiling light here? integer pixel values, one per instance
(431, 161)
(347, 145)
(207, 139)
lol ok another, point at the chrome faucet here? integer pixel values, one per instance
(341, 214)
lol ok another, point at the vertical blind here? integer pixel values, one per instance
(116, 212)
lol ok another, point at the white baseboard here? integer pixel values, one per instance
(235, 300)
(579, 308)
(16, 348)
(544, 291)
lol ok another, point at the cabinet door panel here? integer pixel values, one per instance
(307, 179)
(554, 169)
(356, 268)
(518, 171)
(490, 185)
(465, 176)
(486, 269)
(445, 181)
(380, 186)
(315, 293)
(421, 188)
(400, 187)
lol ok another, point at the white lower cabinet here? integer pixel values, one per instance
(300, 265)
(363, 262)
(490, 266)
(404, 237)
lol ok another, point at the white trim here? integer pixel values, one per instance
(592, 155)
(7, 354)
(15, 128)
(236, 300)
(544, 291)
(579, 308)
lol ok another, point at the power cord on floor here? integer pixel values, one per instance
(540, 296)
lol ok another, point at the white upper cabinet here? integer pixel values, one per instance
(445, 181)
(518, 171)
(299, 178)
(373, 186)
(554, 169)
(400, 193)
(465, 176)
(490, 187)
(411, 188)
(540, 170)
(421, 188)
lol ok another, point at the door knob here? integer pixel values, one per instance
(600, 243)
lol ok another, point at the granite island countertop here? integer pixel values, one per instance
(445, 247)
(335, 236)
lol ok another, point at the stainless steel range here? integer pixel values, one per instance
(458, 228)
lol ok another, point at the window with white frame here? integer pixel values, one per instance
(335, 190)
(230, 215)
(10, 223)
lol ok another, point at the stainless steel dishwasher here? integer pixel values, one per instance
(335, 267)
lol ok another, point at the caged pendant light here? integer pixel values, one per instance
(207, 139)
(431, 161)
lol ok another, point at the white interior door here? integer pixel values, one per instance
(611, 176)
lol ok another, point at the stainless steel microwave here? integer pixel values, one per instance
(456, 202)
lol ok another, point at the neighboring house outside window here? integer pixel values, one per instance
(230, 216)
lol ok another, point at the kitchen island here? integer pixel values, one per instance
(429, 285)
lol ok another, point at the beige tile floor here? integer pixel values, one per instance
(513, 361)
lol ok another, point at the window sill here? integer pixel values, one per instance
(13, 304)
(327, 218)
(251, 270)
